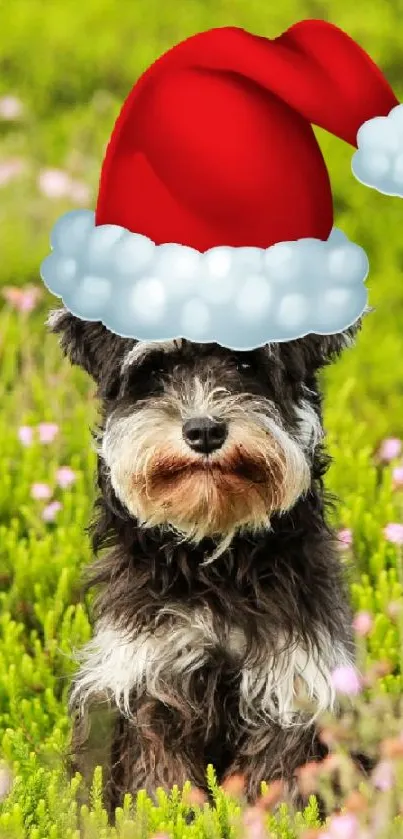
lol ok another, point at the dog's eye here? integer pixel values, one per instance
(244, 366)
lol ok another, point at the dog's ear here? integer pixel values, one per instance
(321, 350)
(91, 346)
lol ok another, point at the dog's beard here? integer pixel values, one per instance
(210, 496)
(259, 470)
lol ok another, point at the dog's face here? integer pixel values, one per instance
(199, 438)
(205, 440)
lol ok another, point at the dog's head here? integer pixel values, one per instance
(202, 439)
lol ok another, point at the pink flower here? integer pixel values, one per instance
(389, 449)
(253, 822)
(25, 434)
(10, 169)
(79, 192)
(40, 491)
(29, 299)
(54, 183)
(65, 476)
(47, 431)
(10, 107)
(344, 826)
(6, 782)
(383, 776)
(397, 477)
(22, 299)
(363, 623)
(393, 532)
(50, 511)
(346, 680)
(394, 610)
(345, 538)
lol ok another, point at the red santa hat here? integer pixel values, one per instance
(214, 218)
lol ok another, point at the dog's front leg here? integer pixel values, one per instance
(152, 751)
(143, 752)
(269, 752)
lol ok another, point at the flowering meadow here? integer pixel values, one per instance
(66, 69)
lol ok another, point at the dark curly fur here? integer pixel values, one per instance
(288, 578)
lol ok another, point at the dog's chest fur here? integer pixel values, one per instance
(259, 620)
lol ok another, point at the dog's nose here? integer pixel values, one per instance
(204, 435)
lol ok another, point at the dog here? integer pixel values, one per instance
(221, 606)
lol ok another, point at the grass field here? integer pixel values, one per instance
(66, 68)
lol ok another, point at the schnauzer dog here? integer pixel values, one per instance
(221, 602)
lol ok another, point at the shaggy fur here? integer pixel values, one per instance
(221, 601)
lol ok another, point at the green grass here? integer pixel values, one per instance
(72, 64)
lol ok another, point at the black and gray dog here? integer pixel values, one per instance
(221, 601)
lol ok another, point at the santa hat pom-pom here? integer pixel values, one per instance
(378, 163)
